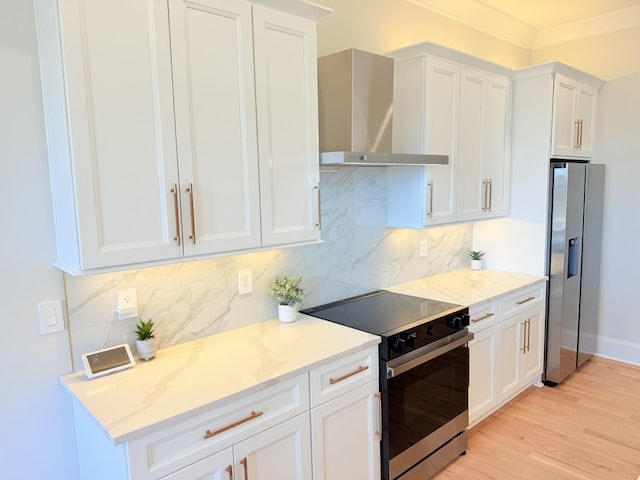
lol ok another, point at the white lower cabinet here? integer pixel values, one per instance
(214, 467)
(520, 351)
(321, 424)
(280, 452)
(483, 360)
(506, 355)
(349, 423)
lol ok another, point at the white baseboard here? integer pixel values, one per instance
(627, 352)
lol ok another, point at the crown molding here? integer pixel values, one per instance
(590, 27)
(494, 22)
(484, 18)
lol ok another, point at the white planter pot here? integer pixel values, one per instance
(476, 264)
(287, 313)
(146, 349)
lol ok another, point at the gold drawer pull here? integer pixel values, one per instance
(483, 317)
(209, 433)
(361, 368)
(528, 299)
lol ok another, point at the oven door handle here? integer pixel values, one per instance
(399, 366)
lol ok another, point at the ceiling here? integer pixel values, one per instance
(535, 24)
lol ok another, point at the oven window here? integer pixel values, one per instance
(426, 397)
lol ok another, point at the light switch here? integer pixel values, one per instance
(51, 318)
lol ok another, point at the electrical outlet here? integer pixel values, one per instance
(127, 304)
(424, 247)
(245, 281)
(127, 297)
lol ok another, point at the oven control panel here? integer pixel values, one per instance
(421, 335)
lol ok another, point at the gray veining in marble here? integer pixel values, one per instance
(194, 299)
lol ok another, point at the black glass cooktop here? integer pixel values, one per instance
(382, 312)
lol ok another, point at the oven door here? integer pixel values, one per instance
(427, 403)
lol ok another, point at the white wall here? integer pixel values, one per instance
(37, 425)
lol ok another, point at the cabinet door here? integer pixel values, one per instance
(113, 176)
(214, 467)
(532, 358)
(483, 362)
(483, 179)
(282, 452)
(346, 442)
(510, 344)
(471, 185)
(495, 156)
(587, 112)
(565, 132)
(287, 113)
(212, 58)
(426, 104)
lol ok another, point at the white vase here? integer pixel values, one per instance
(476, 264)
(287, 313)
(146, 349)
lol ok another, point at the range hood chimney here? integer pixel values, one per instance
(355, 91)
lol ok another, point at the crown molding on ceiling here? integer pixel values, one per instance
(496, 23)
(485, 18)
(590, 27)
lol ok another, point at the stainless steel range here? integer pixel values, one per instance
(424, 377)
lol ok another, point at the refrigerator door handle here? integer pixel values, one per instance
(574, 257)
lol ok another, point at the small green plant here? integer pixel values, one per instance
(286, 290)
(475, 254)
(144, 330)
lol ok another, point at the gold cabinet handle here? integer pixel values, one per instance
(361, 368)
(528, 299)
(229, 470)
(483, 317)
(580, 123)
(490, 194)
(524, 337)
(243, 462)
(192, 237)
(528, 334)
(210, 433)
(174, 190)
(430, 186)
(319, 222)
(484, 196)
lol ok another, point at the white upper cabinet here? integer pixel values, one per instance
(446, 102)
(426, 103)
(483, 182)
(287, 106)
(153, 133)
(212, 54)
(574, 117)
(110, 129)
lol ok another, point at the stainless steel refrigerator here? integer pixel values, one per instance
(573, 253)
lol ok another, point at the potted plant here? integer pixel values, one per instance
(145, 340)
(288, 293)
(476, 259)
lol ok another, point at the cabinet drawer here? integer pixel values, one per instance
(339, 376)
(521, 300)
(483, 315)
(166, 450)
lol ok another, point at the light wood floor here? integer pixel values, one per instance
(588, 427)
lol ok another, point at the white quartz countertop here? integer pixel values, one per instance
(187, 379)
(468, 287)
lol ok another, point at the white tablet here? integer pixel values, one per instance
(107, 360)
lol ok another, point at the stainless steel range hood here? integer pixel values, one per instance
(355, 90)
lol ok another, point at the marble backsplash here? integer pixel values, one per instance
(194, 299)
